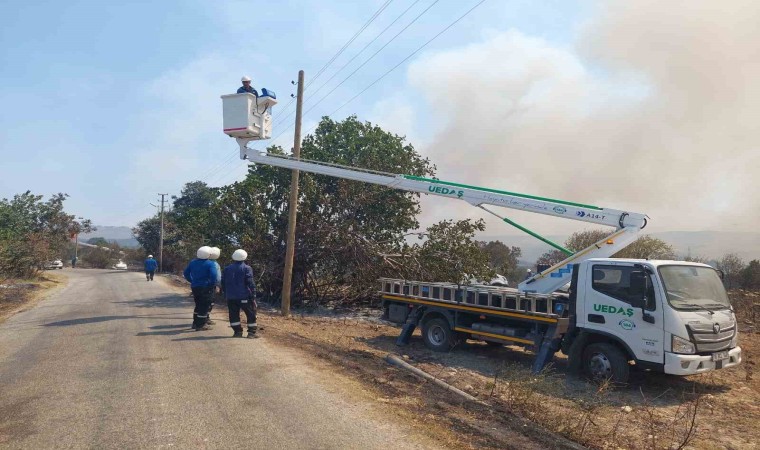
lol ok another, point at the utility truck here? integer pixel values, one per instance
(665, 316)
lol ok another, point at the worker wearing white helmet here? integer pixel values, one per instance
(246, 87)
(213, 256)
(202, 275)
(528, 274)
(240, 292)
(150, 267)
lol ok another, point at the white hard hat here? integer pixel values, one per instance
(150, 256)
(240, 255)
(215, 253)
(245, 79)
(529, 271)
(203, 252)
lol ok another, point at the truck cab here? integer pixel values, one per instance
(667, 316)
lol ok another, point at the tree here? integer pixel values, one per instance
(450, 253)
(33, 231)
(503, 259)
(645, 247)
(732, 266)
(751, 275)
(345, 229)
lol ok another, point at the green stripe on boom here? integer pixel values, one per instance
(496, 191)
(539, 237)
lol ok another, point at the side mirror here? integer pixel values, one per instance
(639, 288)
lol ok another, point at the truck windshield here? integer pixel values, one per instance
(692, 287)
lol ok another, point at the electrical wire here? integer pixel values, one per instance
(390, 70)
(353, 38)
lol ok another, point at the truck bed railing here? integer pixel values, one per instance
(496, 298)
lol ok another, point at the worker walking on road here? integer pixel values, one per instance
(202, 275)
(240, 292)
(215, 253)
(150, 267)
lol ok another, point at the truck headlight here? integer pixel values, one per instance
(679, 345)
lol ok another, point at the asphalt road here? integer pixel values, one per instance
(109, 361)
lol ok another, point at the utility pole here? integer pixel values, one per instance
(161, 238)
(293, 205)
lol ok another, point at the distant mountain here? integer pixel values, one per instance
(122, 235)
(708, 244)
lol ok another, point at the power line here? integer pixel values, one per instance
(284, 118)
(345, 46)
(362, 64)
(400, 63)
(375, 38)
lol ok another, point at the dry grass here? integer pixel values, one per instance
(18, 295)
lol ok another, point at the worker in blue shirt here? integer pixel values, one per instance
(150, 267)
(213, 256)
(246, 87)
(201, 273)
(240, 292)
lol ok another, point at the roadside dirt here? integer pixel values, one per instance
(19, 295)
(553, 410)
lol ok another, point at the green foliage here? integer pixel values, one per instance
(345, 229)
(33, 231)
(451, 253)
(503, 259)
(645, 247)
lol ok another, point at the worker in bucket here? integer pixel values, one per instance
(240, 292)
(150, 267)
(246, 87)
(202, 275)
(215, 253)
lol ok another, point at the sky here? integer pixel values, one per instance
(643, 106)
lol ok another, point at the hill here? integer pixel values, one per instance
(121, 235)
(708, 244)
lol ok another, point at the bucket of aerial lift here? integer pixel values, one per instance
(248, 116)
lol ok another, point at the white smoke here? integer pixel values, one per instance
(656, 109)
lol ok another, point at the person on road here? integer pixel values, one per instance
(201, 273)
(150, 267)
(246, 87)
(213, 256)
(74, 262)
(240, 292)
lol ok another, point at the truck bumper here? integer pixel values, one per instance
(676, 364)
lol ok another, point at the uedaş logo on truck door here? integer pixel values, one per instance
(613, 310)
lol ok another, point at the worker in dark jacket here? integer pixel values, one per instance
(150, 267)
(201, 273)
(240, 292)
(246, 87)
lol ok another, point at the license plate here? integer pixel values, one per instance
(719, 356)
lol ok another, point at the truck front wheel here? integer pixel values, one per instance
(438, 335)
(603, 361)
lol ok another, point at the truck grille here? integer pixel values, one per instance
(707, 340)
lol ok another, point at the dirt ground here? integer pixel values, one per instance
(18, 295)
(719, 410)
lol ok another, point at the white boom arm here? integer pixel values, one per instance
(627, 224)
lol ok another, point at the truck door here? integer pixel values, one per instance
(607, 309)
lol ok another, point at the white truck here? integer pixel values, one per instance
(666, 316)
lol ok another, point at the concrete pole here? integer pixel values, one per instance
(293, 205)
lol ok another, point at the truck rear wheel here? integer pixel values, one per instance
(603, 361)
(437, 335)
